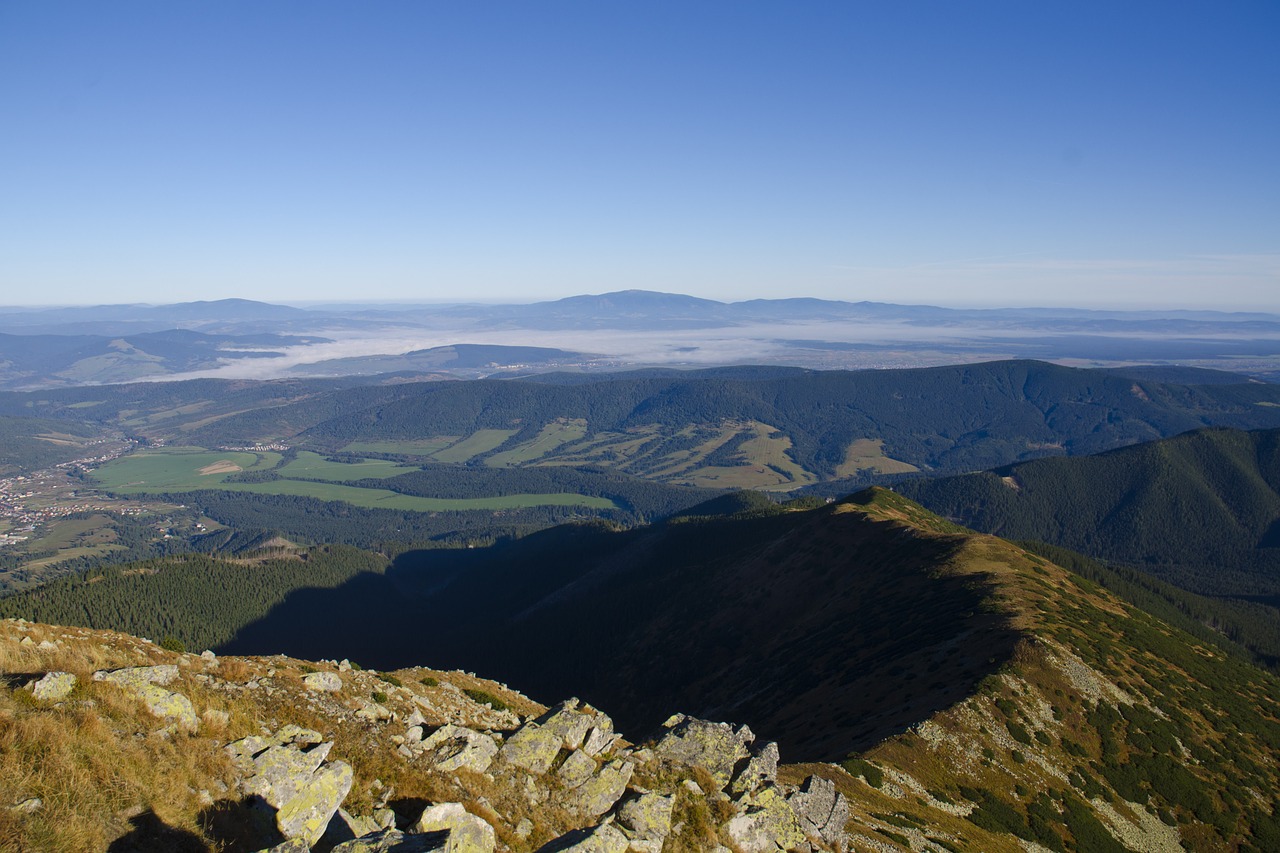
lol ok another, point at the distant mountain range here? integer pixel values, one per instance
(654, 329)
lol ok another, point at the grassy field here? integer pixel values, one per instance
(550, 438)
(178, 469)
(421, 447)
(473, 445)
(868, 453)
(313, 466)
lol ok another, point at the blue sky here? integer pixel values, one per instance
(979, 153)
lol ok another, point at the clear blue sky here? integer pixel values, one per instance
(1014, 153)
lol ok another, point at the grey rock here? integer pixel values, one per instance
(136, 676)
(647, 816)
(451, 748)
(760, 769)
(718, 747)
(27, 806)
(375, 712)
(281, 773)
(533, 747)
(306, 815)
(53, 687)
(598, 794)
(577, 769)
(822, 811)
(567, 721)
(601, 738)
(605, 838)
(327, 682)
(767, 824)
(467, 833)
(168, 705)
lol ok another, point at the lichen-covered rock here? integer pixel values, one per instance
(137, 676)
(290, 733)
(605, 838)
(374, 712)
(767, 823)
(323, 681)
(822, 811)
(716, 746)
(646, 819)
(307, 814)
(571, 724)
(601, 736)
(53, 687)
(598, 794)
(577, 769)
(761, 769)
(467, 833)
(344, 826)
(451, 748)
(280, 773)
(533, 747)
(169, 705)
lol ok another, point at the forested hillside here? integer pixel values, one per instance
(1201, 510)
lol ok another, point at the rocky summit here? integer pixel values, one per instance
(115, 743)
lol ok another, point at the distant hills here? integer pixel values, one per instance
(630, 329)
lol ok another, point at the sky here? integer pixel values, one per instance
(1094, 154)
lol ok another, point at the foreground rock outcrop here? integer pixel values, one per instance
(285, 755)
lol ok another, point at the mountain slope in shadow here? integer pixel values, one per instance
(826, 629)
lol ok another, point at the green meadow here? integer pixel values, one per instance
(181, 469)
(313, 466)
(178, 469)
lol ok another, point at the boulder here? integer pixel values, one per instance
(467, 833)
(306, 815)
(646, 819)
(567, 721)
(822, 810)
(577, 769)
(598, 794)
(451, 748)
(766, 824)
(324, 681)
(760, 769)
(136, 676)
(717, 747)
(533, 747)
(280, 773)
(375, 712)
(601, 737)
(605, 838)
(53, 687)
(168, 705)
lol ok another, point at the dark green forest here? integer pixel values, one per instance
(199, 600)
(1201, 510)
